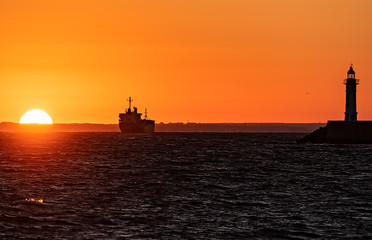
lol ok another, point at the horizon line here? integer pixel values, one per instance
(181, 122)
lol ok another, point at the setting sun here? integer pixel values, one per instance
(36, 116)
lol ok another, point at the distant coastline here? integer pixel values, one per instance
(166, 127)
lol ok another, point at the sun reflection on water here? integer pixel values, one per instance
(34, 200)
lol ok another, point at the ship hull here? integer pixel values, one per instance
(145, 126)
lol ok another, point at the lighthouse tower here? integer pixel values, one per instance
(351, 83)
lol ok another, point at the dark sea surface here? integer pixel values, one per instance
(182, 186)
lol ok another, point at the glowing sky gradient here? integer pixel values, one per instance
(195, 60)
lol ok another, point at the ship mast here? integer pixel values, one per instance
(130, 100)
(145, 113)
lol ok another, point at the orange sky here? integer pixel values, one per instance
(194, 60)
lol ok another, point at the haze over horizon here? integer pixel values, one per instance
(210, 61)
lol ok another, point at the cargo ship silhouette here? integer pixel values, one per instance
(132, 122)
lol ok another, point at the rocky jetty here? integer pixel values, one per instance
(341, 132)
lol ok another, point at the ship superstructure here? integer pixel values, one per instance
(132, 122)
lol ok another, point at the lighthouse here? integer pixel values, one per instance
(348, 131)
(351, 83)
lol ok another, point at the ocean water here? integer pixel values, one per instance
(182, 186)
